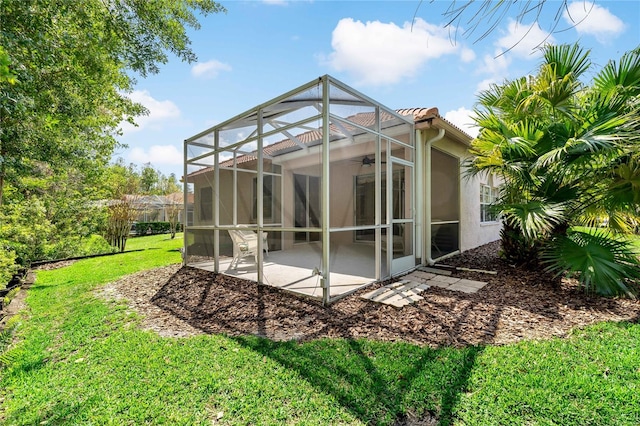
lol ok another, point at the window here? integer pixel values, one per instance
(267, 197)
(488, 195)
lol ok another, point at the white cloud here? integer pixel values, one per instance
(156, 155)
(467, 55)
(496, 65)
(159, 112)
(461, 117)
(276, 2)
(485, 84)
(209, 69)
(589, 18)
(379, 53)
(523, 40)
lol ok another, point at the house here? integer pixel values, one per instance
(344, 191)
(158, 208)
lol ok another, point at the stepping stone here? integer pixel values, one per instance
(467, 286)
(375, 293)
(398, 300)
(397, 294)
(390, 296)
(419, 286)
(440, 284)
(443, 279)
(420, 276)
(405, 285)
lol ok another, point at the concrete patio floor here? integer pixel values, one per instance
(352, 267)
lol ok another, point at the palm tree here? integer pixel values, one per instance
(569, 154)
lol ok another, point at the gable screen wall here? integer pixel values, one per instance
(323, 131)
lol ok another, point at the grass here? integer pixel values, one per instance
(634, 239)
(81, 360)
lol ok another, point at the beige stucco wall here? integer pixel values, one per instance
(476, 233)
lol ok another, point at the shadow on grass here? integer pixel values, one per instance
(379, 383)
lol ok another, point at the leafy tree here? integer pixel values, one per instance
(170, 184)
(71, 64)
(49, 215)
(120, 179)
(173, 214)
(121, 215)
(65, 69)
(121, 193)
(124, 186)
(569, 154)
(149, 179)
(5, 74)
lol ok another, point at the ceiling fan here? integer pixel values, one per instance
(368, 161)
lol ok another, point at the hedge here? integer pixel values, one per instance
(150, 228)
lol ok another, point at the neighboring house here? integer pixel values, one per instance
(177, 198)
(156, 208)
(347, 191)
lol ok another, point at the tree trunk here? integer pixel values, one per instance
(516, 248)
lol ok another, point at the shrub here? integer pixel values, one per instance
(96, 244)
(78, 246)
(144, 228)
(8, 265)
(25, 229)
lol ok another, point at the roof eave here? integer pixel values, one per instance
(437, 122)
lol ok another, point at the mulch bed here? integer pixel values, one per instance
(516, 304)
(55, 265)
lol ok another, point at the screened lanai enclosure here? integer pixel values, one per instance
(312, 192)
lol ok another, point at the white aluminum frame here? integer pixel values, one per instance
(269, 113)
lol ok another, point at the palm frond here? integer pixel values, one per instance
(534, 218)
(553, 156)
(601, 263)
(622, 223)
(556, 91)
(625, 74)
(487, 120)
(490, 97)
(625, 184)
(555, 190)
(567, 59)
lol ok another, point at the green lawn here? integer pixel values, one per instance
(635, 239)
(81, 360)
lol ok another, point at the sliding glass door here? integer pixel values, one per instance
(307, 206)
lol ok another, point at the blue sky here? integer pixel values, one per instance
(261, 49)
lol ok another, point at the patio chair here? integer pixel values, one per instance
(249, 234)
(245, 244)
